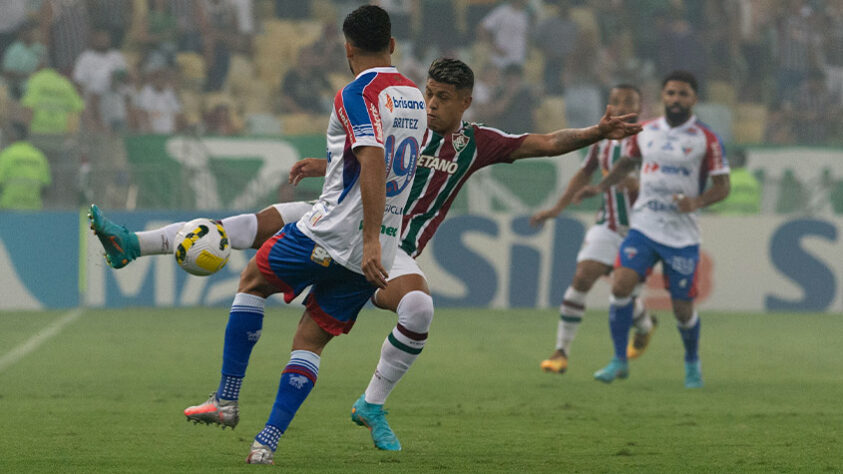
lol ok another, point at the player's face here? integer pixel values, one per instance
(678, 98)
(625, 101)
(445, 106)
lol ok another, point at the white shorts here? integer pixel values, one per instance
(293, 211)
(600, 244)
(404, 265)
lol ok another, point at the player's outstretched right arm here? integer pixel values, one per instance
(577, 182)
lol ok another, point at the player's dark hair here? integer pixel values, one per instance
(682, 76)
(368, 28)
(19, 130)
(452, 71)
(628, 87)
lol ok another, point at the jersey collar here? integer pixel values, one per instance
(377, 69)
(681, 128)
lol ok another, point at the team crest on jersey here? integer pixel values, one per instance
(630, 252)
(460, 141)
(687, 150)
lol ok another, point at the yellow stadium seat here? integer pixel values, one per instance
(303, 124)
(550, 115)
(192, 69)
(722, 92)
(750, 123)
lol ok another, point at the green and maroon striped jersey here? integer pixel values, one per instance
(615, 209)
(443, 167)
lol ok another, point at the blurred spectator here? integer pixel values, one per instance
(23, 58)
(53, 102)
(475, 11)
(680, 47)
(745, 190)
(512, 107)
(555, 36)
(797, 47)
(227, 27)
(486, 85)
(116, 103)
(188, 14)
(24, 172)
(305, 88)
(329, 50)
(219, 120)
(159, 36)
(814, 109)
(69, 32)
(158, 107)
(13, 15)
(505, 29)
(779, 127)
(93, 72)
(583, 84)
(400, 16)
(113, 16)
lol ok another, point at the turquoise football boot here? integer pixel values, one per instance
(372, 417)
(121, 246)
(616, 369)
(693, 375)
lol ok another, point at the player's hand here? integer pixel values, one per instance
(537, 220)
(617, 126)
(585, 193)
(685, 204)
(371, 265)
(307, 168)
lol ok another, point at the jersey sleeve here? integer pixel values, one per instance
(495, 146)
(359, 115)
(630, 147)
(591, 161)
(715, 155)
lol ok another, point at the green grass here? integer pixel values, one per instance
(106, 394)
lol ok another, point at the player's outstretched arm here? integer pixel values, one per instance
(719, 190)
(307, 168)
(373, 194)
(570, 139)
(619, 171)
(577, 182)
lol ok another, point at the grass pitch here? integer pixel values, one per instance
(106, 394)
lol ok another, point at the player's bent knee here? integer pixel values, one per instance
(415, 311)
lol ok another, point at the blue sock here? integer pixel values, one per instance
(620, 321)
(297, 380)
(691, 339)
(241, 334)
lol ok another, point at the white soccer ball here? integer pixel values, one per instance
(202, 247)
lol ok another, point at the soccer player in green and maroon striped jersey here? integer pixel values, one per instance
(453, 151)
(600, 246)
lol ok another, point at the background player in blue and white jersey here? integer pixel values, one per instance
(600, 246)
(677, 155)
(344, 243)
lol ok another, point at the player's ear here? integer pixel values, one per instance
(349, 50)
(391, 45)
(466, 100)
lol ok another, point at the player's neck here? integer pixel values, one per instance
(363, 63)
(677, 122)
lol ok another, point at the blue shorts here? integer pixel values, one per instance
(291, 261)
(679, 265)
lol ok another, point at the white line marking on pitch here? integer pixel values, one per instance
(15, 355)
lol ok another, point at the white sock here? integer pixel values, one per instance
(571, 313)
(242, 230)
(402, 346)
(640, 318)
(158, 241)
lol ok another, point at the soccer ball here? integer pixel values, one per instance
(202, 247)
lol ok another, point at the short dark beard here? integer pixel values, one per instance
(677, 118)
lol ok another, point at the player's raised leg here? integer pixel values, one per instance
(408, 295)
(571, 313)
(644, 325)
(688, 323)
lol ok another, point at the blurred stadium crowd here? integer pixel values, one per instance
(80, 75)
